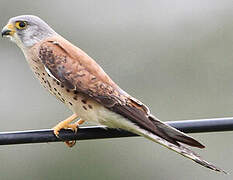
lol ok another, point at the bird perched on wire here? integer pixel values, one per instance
(79, 82)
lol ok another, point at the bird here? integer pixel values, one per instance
(75, 79)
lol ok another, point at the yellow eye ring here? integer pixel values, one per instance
(21, 24)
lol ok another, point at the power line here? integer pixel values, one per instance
(101, 132)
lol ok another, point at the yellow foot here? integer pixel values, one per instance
(66, 125)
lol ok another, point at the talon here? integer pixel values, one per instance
(70, 143)
(73, 127)
(56, 132)
(66, 125)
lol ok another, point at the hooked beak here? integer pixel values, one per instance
(8, 30)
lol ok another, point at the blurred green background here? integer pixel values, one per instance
(175, 56)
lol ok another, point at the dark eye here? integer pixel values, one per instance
(20, 24)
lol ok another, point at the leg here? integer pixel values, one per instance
(66, 124)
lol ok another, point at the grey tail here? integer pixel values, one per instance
(173, 139)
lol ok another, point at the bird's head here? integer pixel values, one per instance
(27, 30)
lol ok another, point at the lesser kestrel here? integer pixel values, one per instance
(81, 84)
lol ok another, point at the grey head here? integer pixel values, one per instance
(27, 30)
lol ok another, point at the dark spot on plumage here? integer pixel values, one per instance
(59, 93)
(84, 101)
(45, 82)
(84, 107)
(49, 84)
(53, 42)
(93, 78)
(62, 85)
(70, 103)
(67, 90)
(68, 84)
(75, 92)
(43, 74)
(63, 99)
(58, 83)
(75, 98)
(79, 75)
(68, 73)
(90, 106)
(55, 89)
(59, 69)
(42, 78)
(102, 85)
(58, 62)
(35, 60)
(79, 83)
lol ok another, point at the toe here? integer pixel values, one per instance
(56, 132)
(73, 127)
(70, 143)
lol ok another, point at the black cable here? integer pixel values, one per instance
(101, 132)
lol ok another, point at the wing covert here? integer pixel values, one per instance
(75, 74)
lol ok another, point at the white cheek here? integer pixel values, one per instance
(15, 39)
(11, 38)
(18, 42)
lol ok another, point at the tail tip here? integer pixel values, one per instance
(210, 166)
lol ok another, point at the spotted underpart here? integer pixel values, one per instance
(57, 89)
(76, 76)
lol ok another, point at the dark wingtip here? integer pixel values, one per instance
(199, 145)
(189, 141)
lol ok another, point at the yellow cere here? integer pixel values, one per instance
(11, 28)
